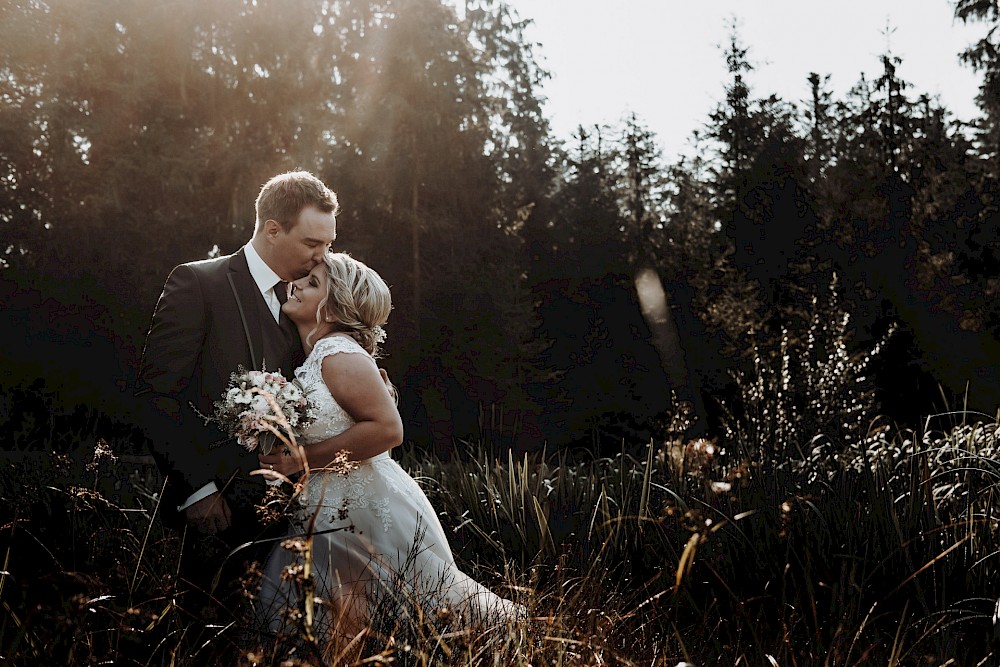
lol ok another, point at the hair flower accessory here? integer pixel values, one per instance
(379, 334)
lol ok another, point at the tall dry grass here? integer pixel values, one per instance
(885, 553)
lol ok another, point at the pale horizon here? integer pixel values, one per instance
(607, 62)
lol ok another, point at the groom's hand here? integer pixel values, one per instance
(210, 515)
(391, 388)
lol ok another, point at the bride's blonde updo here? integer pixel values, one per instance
(357, 300)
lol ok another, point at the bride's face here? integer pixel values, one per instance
(305, 295)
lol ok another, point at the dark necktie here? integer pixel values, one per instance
(281, 291)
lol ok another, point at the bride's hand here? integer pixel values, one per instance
(281, 460)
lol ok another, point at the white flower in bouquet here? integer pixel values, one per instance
(259, 404)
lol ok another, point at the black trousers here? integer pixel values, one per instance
(215, 570)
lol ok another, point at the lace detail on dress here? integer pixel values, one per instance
(395, 487)
(381, 507)
(331, 494)
(332, 419)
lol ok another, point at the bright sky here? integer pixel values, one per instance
(662, 58)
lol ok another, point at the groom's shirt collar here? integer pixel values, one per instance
(261, 272)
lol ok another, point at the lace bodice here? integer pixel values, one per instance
(331, 419)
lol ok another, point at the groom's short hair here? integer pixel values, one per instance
(284, 196)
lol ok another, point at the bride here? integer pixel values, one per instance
(375, 533)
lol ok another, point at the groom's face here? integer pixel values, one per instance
(301, 248)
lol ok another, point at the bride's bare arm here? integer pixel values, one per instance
(356, 384)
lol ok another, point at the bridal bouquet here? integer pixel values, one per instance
(261, 407)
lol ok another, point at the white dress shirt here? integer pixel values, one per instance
(265, 279)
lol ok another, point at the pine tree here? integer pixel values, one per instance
(984, 56)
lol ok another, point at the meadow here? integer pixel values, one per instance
(878, 551)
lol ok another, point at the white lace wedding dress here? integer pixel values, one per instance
(378, 546)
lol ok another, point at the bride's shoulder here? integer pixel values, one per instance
(335, 343)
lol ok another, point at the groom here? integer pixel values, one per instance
(214, 316)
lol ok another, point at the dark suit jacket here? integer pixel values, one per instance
(210, 319)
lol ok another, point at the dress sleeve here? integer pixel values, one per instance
(331, 345)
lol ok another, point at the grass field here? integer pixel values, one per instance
(882, 550)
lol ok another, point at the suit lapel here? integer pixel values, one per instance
(247, 295)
